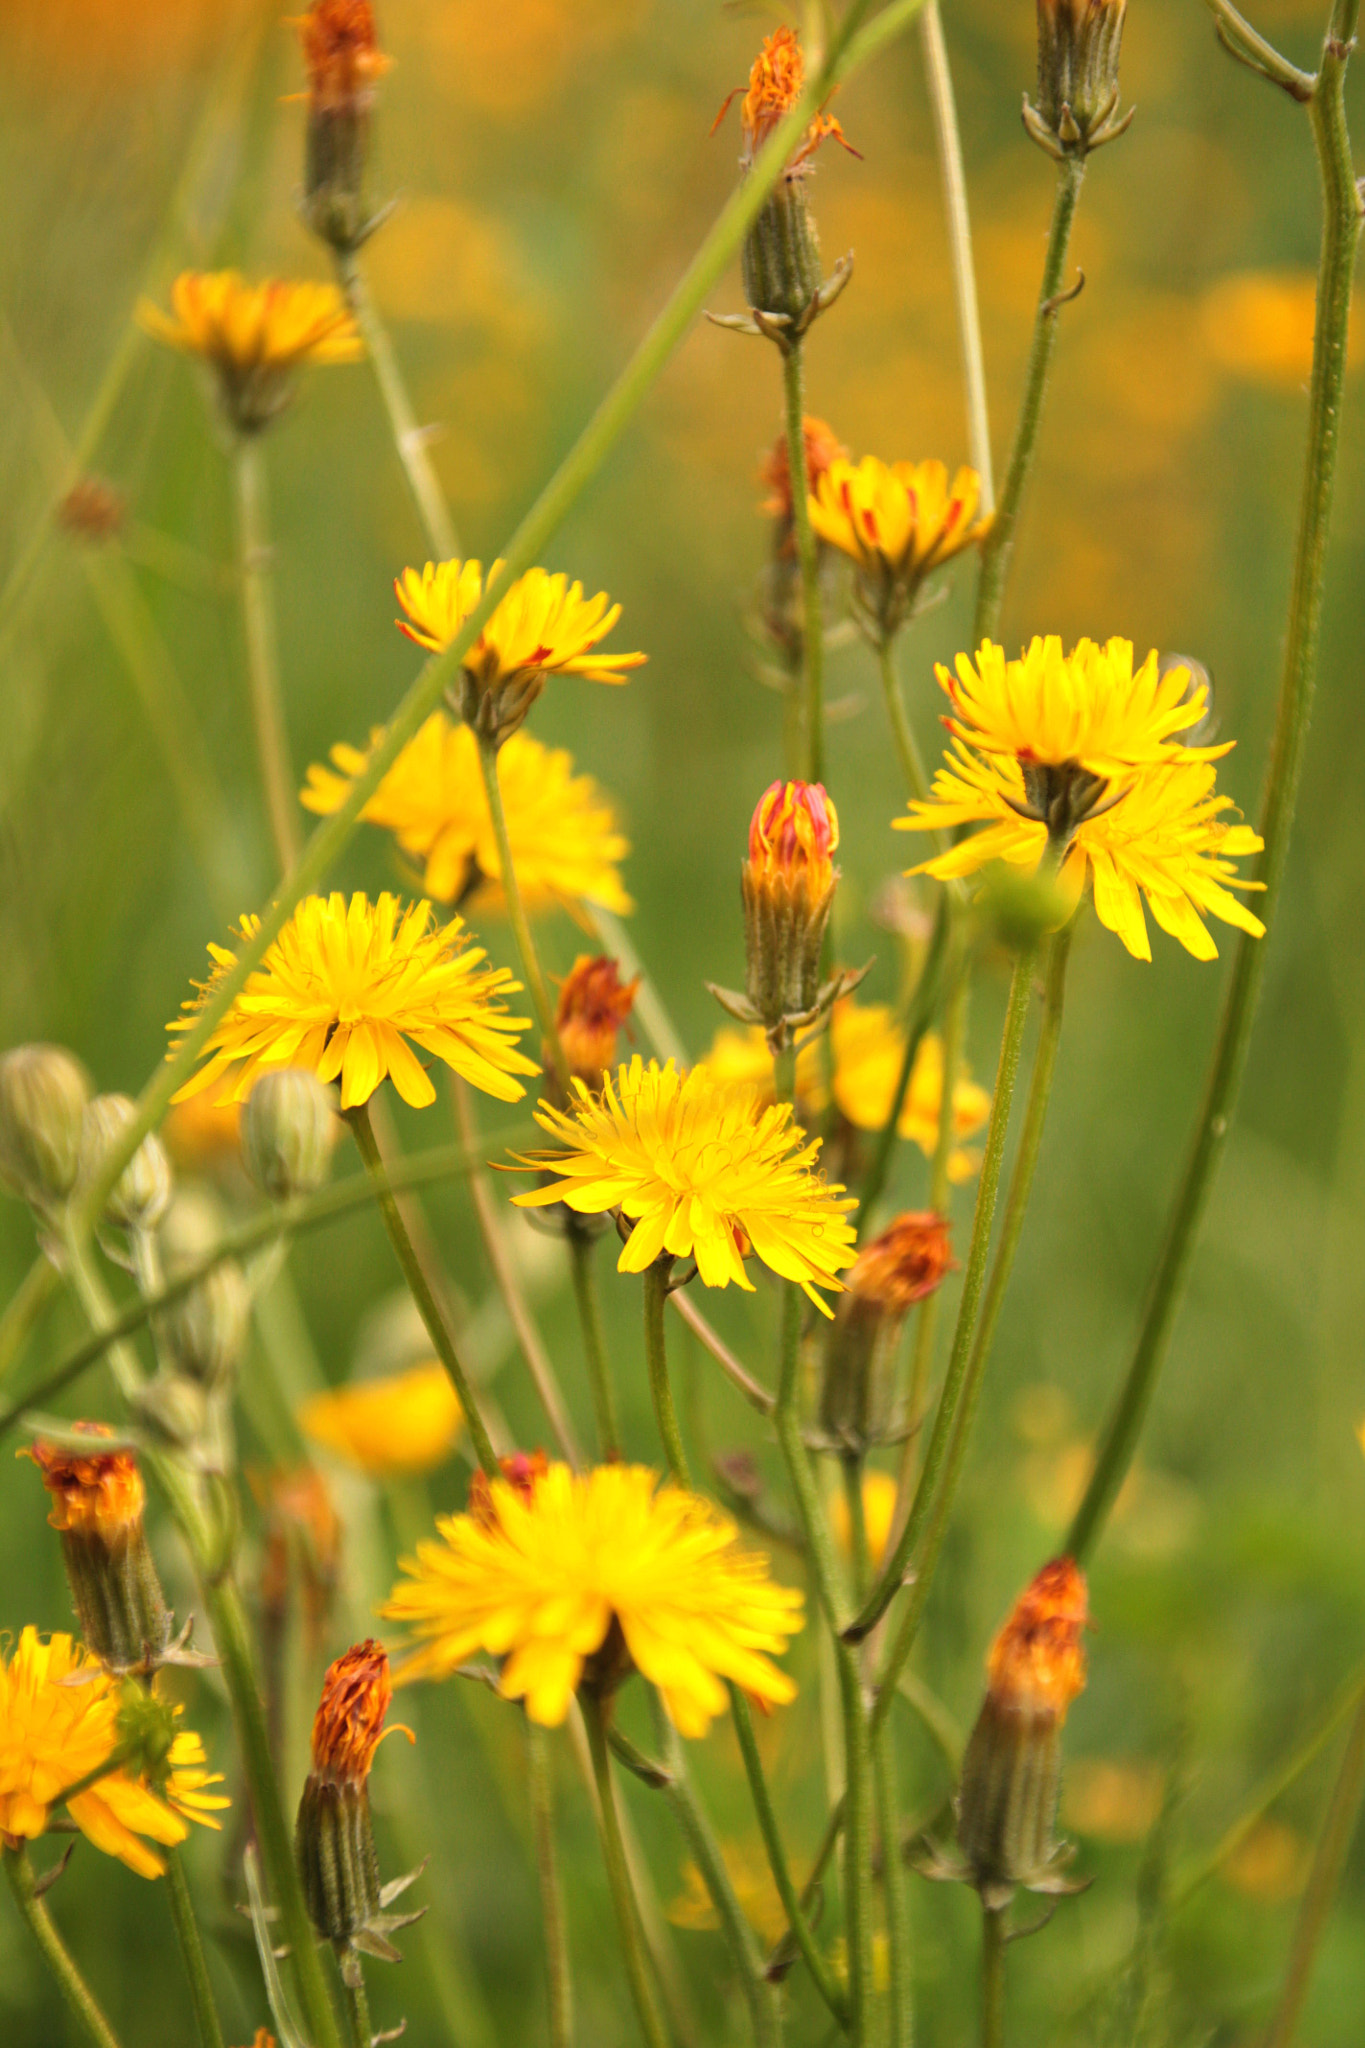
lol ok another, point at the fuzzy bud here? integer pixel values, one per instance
(1078, 76)
(139, 1197)
(787, 885)
(344, 62)
(43, 1093)
(594, 1003)
(98, 1501)
(289, 1131)
(910, 1259)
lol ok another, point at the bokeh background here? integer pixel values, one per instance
(554, 171)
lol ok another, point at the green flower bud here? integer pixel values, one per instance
(780, 261)
(138, 1198)
(289, 1130)
(1078, 76)
(43, 1093)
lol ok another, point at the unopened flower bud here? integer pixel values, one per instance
(289, 1131)
(138, 1198)
(787, 885)
(145, 1729)
(205, 1330)
(1078, 76)
(1018, 911)
(594, 1003)
(908, 1261)
(98, 1501)
(344, 63)
(43, 1093)
(1011, 1773)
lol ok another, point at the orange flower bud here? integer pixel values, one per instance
(793, 833)
(907, 1262)
(910, 1259)
(593, 1004)
(356, 1695)
(94, 1493)
(342, 53)
(344, 64)
(788, 888)
(1037, 1662)
(97, 1505)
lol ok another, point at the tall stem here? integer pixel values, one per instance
(358, 2007)
(24, 1308)
(559, 1980)
(428, 1307)
(953, 175)
(584, 1275)
(192, 1951)
(998, 546)
(812, 623)
(993, 1977)
(902, 732)
(618, 1875)
(408, 437)
(80, 1999)
(1336, 262)
(922, 1006)
(262, 650)
(516, 914)
(901, 1984)
(656, 1358)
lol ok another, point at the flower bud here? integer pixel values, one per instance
(908, 1261)
(138, 1198)
(289, 1131)
(594, 1003)
(43, 1093)
(344, 63)
(1078, 76)
(98, 1501)
(787, 885)
(1007, 1807)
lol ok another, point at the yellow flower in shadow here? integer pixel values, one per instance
(390, 1428)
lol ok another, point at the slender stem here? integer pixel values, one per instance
(754, 1392)
(618, 1875)
(80, 1999)
(993, 1976)
(923, 1003)
(538, 1361)
(902, 732)
(857, 1847)
(787, 1423)
(262, 650)
(812, 623)
(897, 1903)
(558, 1977)
(998, 546)
(24, 1308)
(973, 1285)
(954, 177)
(359, 1120)
(1340, 234)
(656, 1358)
(192, 1951)
(1329, 1858)
(584, 1275)
(516, 914)
(409, 438)
(823, 1977)
(358, 2008)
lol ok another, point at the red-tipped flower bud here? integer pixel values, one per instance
(98, 1500)
(594, 1003)
(788, 888)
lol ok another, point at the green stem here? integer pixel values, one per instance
(923, 1003)
(359, 1120)
(408, 437)
(192, 1951)
(812, 623)
(953, 175)
(1340, 234)
(656, 1358)
(897, 1903)
(262, 651)
(993, 1976)
(902, 732)
(618, 1875)
(23, 1309)
(358, 2008)
(33, 1911)
(1329, 1859)
(973, 1285)
(584, 1275)
(559, 1980)
(823, 1977)
(998, 546)
(517, 918)
(787, 1423)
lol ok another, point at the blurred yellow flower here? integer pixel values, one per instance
(254, 335)
(540, 1575)
(566, 842)
(703, 1171)
(899, 520)
(1270, 1865)
(1110, 1800)
(390, 1428)
(342, 990)
(879, 1509)
(754, 1887)
(201, 1133)
(1259, 324)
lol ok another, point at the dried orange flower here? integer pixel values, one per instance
(342, 53)
(95, 1492)
(777, 78)
(1037, 1662)
(349, 1723)
(823, 447)
(908, 1261)
(593, 1004)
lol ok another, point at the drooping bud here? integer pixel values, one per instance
(787, 885)
(1078, 76)
(98, 1500)
(345, 63)
(43, 1093)
(1011, 1774)
(139, 1197)
(289, 1132)
(594, 1003)
(205, 1330)
(908, 1261)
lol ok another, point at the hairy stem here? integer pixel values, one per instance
(80, 1999)
(656, 1358)
(812, 622)
(618, 1875)
(192, 1951)
(993, 1977)
(558, 1977)
(897, 1903)
(408, 438)
(516, 915)
(358, 2008)
(583, 1272)
(262, 650)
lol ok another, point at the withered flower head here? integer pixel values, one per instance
(94, 1492)
(523, 1471)
(594, 1003)
(342, 53)
(909, 1260)
(98, 1500)
(777, 78)
(344, 63)
(348, 1725)
(906, 1263)
(1037, 1662)
(823, 447)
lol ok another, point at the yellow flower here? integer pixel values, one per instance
(538, 1578)
(255, 336)
(404, 1423)
(750, 1874)
(879, 1508)
(342, 990)
(898, 521)
(703, 1171)
(1259, 325)
(58, 1723)
(566, 843)
(1165, 839)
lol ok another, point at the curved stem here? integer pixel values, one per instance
(1329, 1860)
(24, 1307)
(656, 1358)
(998, 546)
(953, 175)
(618, 1875)
(812, 623)
(192, 1950)
(559, 1980)
(359, 1120)
(584, 1275)
(1340, 235)
(262, 650)
(902, 732)
(993, 1976)
(408, 438)
(754, 1392)
(516, 915)
(358, 2008)
(80, 1999)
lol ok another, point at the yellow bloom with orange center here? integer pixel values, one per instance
(390, 1428)
(879, 1512)
(58, 1724)
(566, 842)
(897, 520)
(703, 1171)
(1037, 1662)
(343, 989)
(255, 336)
(543, 1576)
(349, 1724)
(777, 78)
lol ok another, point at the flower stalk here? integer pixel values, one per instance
(656, 1281)
(80, 1999)
(583, 1273)
(206, 2018)
(558, 1976)
(409, 439)
(993, 1940)
(953, 175)
(812, 623)
(516, 913)
(618, 1875)
(262, 649)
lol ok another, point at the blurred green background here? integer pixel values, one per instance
(554, 172)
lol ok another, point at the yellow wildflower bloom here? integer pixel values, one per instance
(254, 335)
(879, 1508)
(1165, 839)
(58, 1723)
(342, 990)
(566, 842)
(898, 522)
(703, 1171)
(393, 1427)
(539, 1576)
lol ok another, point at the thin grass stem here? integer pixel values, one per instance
(410, 440)
(192, 1951)
(618, 1875)
(954, 179)
(24, 1310)
(583, 1272)
(558, 1975)
(516, 915)
(656, 1279)
(1324, 1881)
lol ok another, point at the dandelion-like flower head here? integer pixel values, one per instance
(394, 1427)
(897, 521)
(254, 335)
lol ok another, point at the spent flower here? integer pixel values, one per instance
(594, 1003)
(909, 1260)
(98, 1502)
(344, 64)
